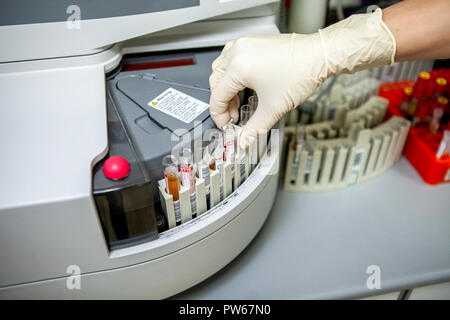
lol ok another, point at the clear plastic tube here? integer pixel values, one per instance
(170, 160)
(218, 164)
(228, 132)
(187, 173)
(436, 119)
(311, 143)
(204, 166)
(253, 101)
(188, 179)
(247, 110)
(298, 147)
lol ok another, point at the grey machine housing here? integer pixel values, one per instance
(61, 121)
(144, 135)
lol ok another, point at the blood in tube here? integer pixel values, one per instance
(171, 177)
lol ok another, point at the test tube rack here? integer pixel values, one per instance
(421, 145)
(401, 71)
(243, 168)
(368, 115)
(325, 104)
(341, 162)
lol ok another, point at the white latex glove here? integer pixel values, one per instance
(284, 70)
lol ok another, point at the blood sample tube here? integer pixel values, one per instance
(421, 112)
(418, 92)
(406, 98)
(430, 86)
(218, 156)
(441, 85)
(212, 164)
(170, 164)
(438, 112)
(188, 180)
(173, 188)
(228, 132)
(203, 168)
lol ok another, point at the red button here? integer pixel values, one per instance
(116, 168)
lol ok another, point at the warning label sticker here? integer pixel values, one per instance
(178, 105)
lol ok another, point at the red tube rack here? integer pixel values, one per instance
(421, 145)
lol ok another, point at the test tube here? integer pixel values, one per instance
(170, 164)
(253, 101)
(203, 168)
(441, 85)
(228, 133)
(298, 146)
(188, 179)
(421, 112)
(406, 98)
(241, 159)
(311, 143)
(418, 92)
(173, 187)
(218, 163)
(436, 119)
(247, 111)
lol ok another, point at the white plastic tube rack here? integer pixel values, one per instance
(338, 163)
(368, 115)
(218, 180)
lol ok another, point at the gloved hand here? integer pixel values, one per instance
(284, 70)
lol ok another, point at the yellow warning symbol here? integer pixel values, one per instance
(154, 103)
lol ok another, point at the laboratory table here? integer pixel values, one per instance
(325, 245)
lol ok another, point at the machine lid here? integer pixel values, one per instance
(147, 91)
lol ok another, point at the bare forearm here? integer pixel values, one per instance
(421, 29)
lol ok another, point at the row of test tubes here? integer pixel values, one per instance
(182, 174)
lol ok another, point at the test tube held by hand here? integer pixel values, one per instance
(246, 112)
(253, 101)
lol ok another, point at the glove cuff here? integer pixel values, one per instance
(359, 42)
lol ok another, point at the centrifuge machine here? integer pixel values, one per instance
(76, 78)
